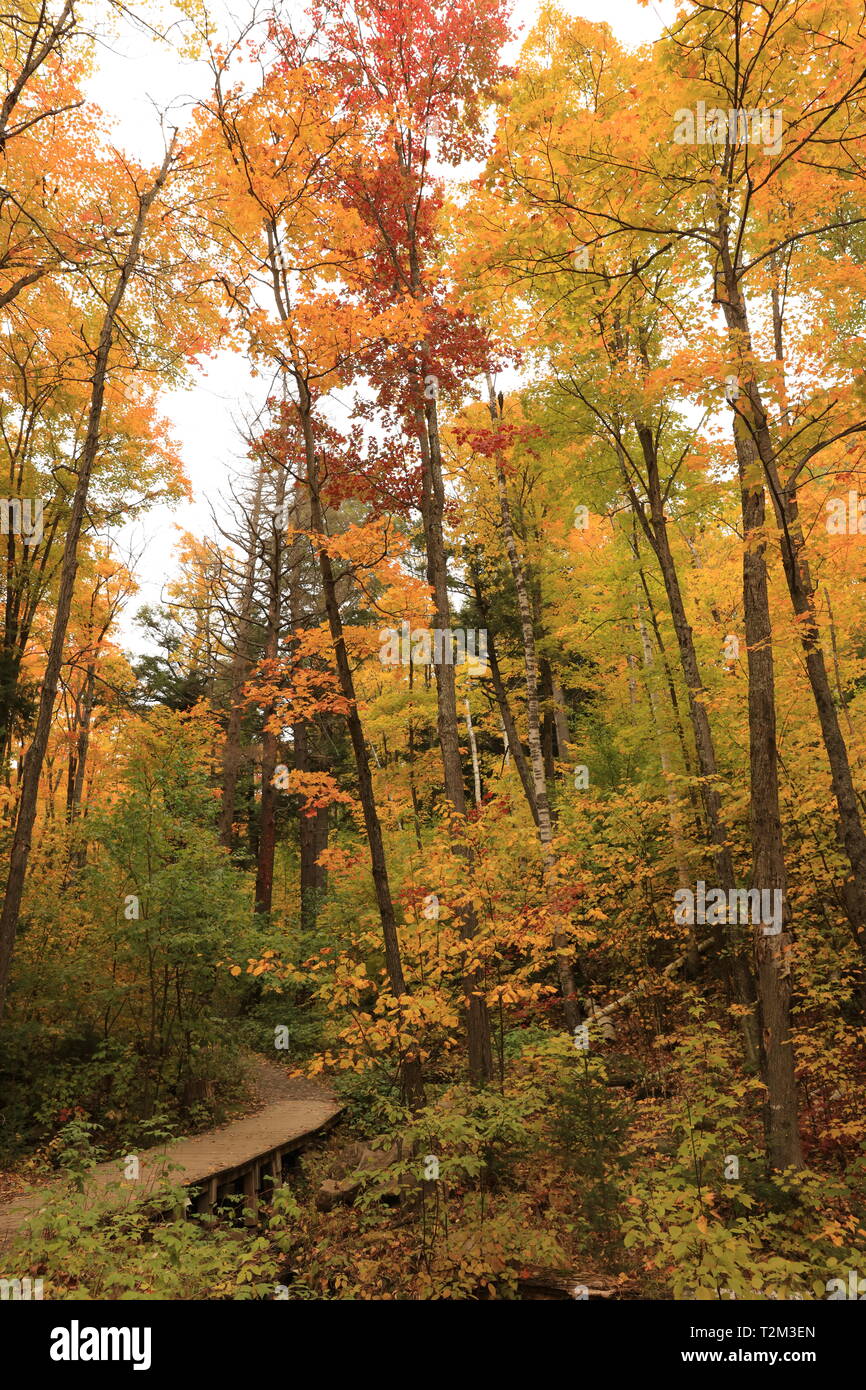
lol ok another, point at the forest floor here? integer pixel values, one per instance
(282, 1111)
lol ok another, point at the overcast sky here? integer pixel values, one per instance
(138, 78)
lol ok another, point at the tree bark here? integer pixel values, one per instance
(562, 949)
(240, 666)
(655, 529)
(560, 719)
(270, 742)
(433, 510)
(410, 1067)
(21, 841)
(512, 738)
(768, 863)
(312, 837)
(801, 590)
(473, 748)
(684, 873)
(772, 952)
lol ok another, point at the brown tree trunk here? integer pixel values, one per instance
(560, 719)
(312, 838)
(654, 526)
(772, 952)
(412, 1083)
(270, 741)
(21, 840)
(511, 736)
(673, 699)
(562, 949)
(82, 745)
(78, 765)
(684, 873)
(801, 590)
(312, 830)
(433, 510)
(240, 666)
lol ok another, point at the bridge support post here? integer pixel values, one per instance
(275, 1168)
(251, 1194)
(206, 1199)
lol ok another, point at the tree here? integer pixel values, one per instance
(20, 850)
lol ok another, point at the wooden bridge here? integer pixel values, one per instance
(236, 1159)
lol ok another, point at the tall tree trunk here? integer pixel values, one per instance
(560, 719)
(313, 840)
(654, 526)
(312, 837)
(801, 589)
(270, 741)
(78, 766)
(548, 726)
(433, 511)
(673, 698)
(312, 830)
(768, 862)
(240, 666)
(684, 873)
(21, 840)
(473, 748)
(512, 739)
(772, 952)
(82, 744)
(562, 949)
(410, 1067)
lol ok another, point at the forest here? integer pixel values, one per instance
(472, 834)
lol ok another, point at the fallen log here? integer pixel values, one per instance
(542, 1282)
(598, 1016)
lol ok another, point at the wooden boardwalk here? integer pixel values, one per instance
(236, 1157)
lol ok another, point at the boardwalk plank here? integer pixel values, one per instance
(283, 1124)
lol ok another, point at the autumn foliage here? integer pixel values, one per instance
(526, 654)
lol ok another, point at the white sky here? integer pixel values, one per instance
(139, 77)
